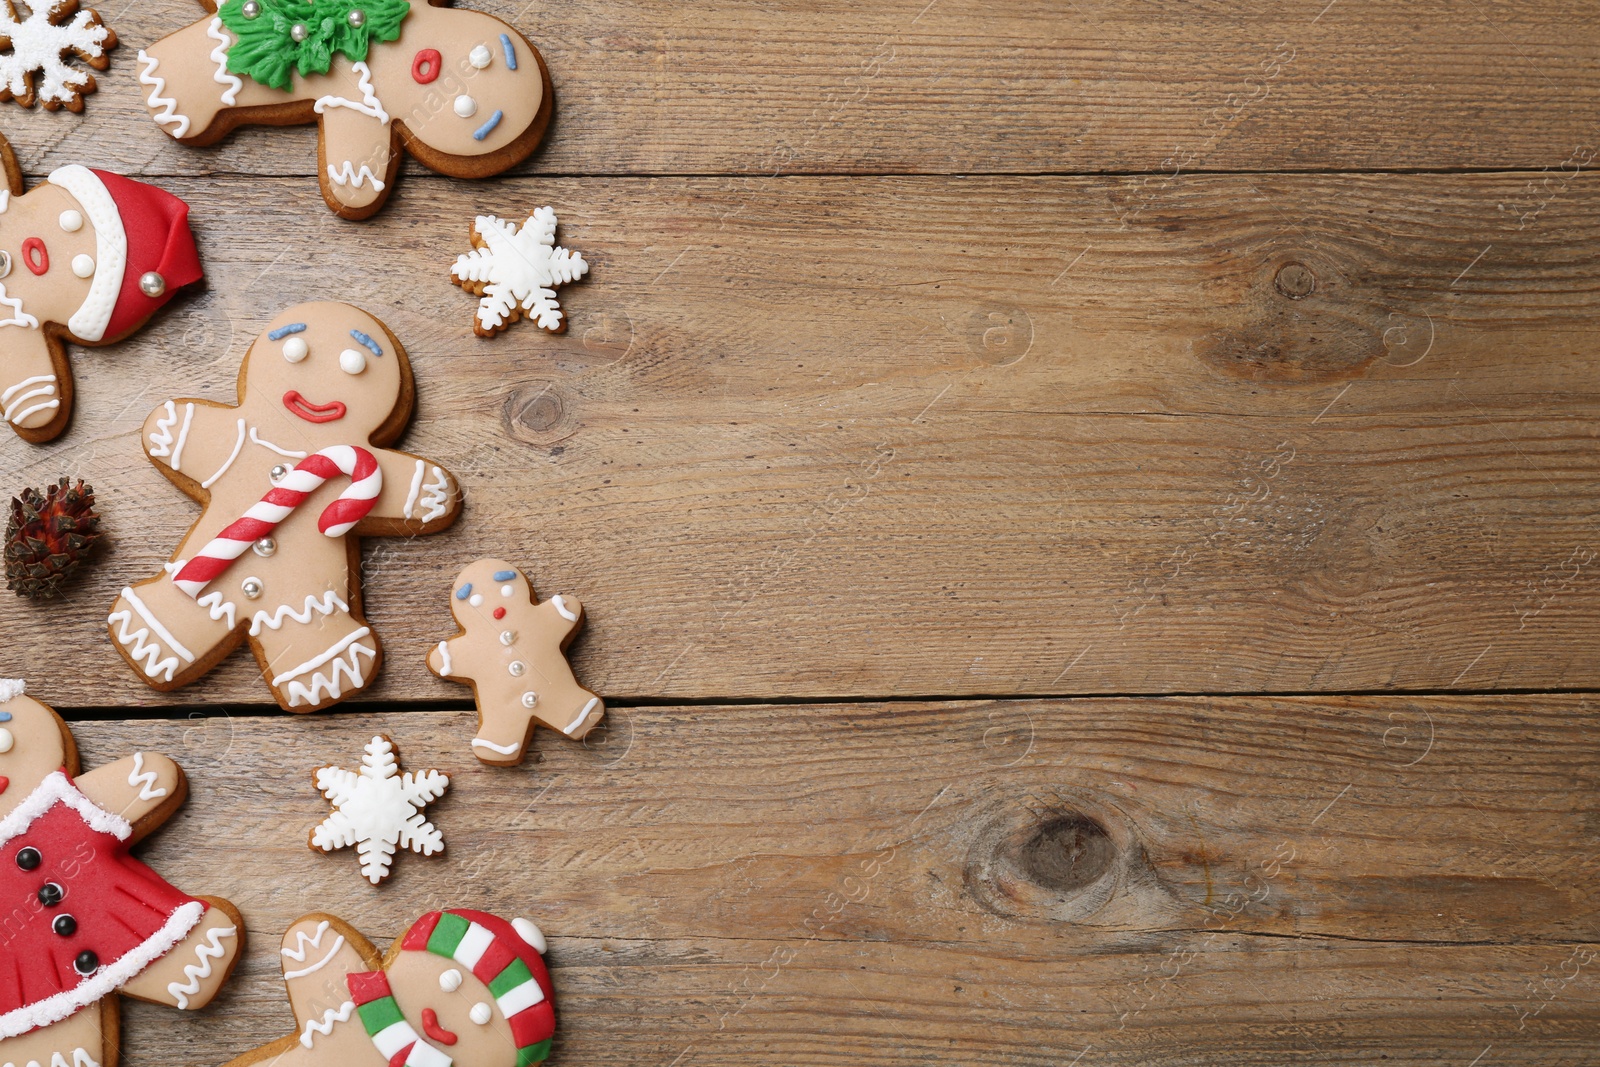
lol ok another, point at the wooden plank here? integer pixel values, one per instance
(933, 437)
(1179, 881)
(962, 86)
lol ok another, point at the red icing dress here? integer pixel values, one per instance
(85, 916)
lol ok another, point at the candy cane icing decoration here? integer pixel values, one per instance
(337, 519)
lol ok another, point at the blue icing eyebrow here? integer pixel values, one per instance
(488, 127)
(284, 331)
(504, 576)
(511, 53)
(5, 716)
(366, 342)
(464, 592)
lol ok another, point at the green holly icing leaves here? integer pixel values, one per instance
(279, 37)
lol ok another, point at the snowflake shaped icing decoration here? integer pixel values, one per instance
(516, 272)
(34, 53)
(377, 809)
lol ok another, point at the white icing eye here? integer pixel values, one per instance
(476, 600)
(450, 981)
(352, 362)
(466, 107)
(480, 56)
(481, 1013)
(6, 740)
(83, 266)
(505, 590)
(295, 349)
(71, 221)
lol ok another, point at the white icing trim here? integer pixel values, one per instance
(237, 445)
(11, 689)
(107, 979)
(161, 436)
(151, 653)
(208, 950)
(274, 620)
(22, 416)
(348, 175)
(284, 452)
(145, 780)
(330, 683)
(19, 317)
(5, 200)
(584, 714)
(219, 56)
(369, 104)
(13, 400)
(416, 487)
(329, 1017)
(183, 435)
(444, 654)
(504, 750)
(218, 607)
(435, 497)
(57, 788)
(338, 943)
(303, 944)
(150, 620)
(560, 603)
(89, 322)
(312, 664)
(168, 106)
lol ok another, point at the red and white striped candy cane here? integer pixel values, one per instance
(337, 519)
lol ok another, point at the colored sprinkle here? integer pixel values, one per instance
(511, 53)
(366, 342)
(284, 331)
(488, 127)
(504, 576)
(464, 592)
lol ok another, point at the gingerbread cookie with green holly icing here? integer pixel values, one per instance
(512, 651)
(460, 90)
(85, 920)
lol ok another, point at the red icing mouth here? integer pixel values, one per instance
(305, 409)
(35, 256)
(4, 781)
(431, 1027)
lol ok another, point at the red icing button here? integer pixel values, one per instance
(426, 65)
(35, 255)
(499, 613)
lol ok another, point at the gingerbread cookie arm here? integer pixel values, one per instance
(143, 788)
(319, 951)
(419, 496)
(357, 150)
(189, 975)
(170, 430)
(35, 379)
(562, 616)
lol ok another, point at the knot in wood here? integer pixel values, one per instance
(1295, 280)
(1067, 853)
(1049, 861)
(536, 414)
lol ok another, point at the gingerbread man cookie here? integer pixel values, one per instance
(87, 257)
(463, 92)
(512, 651)
(290, 478)
(459, 987)
(85, 920)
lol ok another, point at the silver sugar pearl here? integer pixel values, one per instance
(5, 263)
(356, 18)
(299, 32)
(152, 284)
(251, 9)
(529, 699)
(517, 668)
(251, 588)
(265, 547)
(508, 637)
(278, 473)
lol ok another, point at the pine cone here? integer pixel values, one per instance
(48, 537)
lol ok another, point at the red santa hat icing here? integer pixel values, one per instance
(145, 250)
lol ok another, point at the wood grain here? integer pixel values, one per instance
(963, 86)
(1180, 880)
(916, 437)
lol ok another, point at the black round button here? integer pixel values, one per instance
(86, 963)
(50, 894)
(65, 925)
(29, 859)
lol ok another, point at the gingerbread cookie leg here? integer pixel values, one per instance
(315, 663)
(146, 623)
(357, 152)
(35, 386)
(80, 1040)
(192, 971)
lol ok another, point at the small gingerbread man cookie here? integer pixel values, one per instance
(290, 478)
(462, 91)
(512, 651)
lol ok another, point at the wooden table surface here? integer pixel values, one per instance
(1086, 511)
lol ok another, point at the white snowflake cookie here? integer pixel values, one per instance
(516, 272)
(35, 53)
(378, 809)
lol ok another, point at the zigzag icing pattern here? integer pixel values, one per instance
(158, 85)
(219, 56)
(304, 943)
(208, 950)
(137, 641)
(18, 317)
(348, 175)
(325, 1027)
(145, 780)
(80, 1058)
(331, 683)
(274, 620)
(218, 607)
(435, 497)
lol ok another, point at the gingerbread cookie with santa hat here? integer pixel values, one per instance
(460, 90)
(83, 919)
(86, 257)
